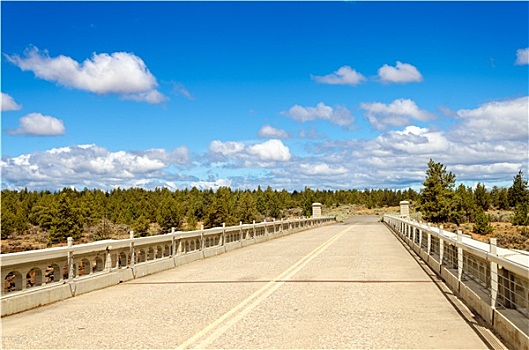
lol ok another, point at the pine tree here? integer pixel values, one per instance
(520, 216)
(66, 221)
(436, 200)
(482, 224)
(519, 199)
(246, 210)
(170, 214)
(465, 205)
(518, 192)
(482, 197)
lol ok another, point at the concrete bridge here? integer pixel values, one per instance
(357, 284)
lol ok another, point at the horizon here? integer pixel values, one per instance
(329, 96)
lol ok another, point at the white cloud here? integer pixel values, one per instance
(237, 154)
(213, 184)
(343, 76)
(402, 73)
(271, 150)
(522, 56)
(398, 113)
(414, 140)
(179, 155)
(494, 121)
(226, 148)
(119, 73)
(339, 115)
(8, 103)
(268, 131)
(321, 169)
(90, 166)
(36, 124)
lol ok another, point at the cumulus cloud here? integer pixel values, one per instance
(414, 140)
(226, 148)
(401, 73)
(271, 150)
(90, 166)
(8, 103)
(343, 76)
(120, 73)
(339, 115)
(36, 124)
(522, 56)
(398, 113)
(268, 131)
(321, 169)
(238, 154)
(494, 121)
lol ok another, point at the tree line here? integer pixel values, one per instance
(70, 212)
(441, 201)
(73, 213)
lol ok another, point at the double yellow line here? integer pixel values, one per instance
(215, 329)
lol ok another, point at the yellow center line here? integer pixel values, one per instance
(245, 306)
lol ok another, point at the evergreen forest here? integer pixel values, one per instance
(93, 214)
(72, 213)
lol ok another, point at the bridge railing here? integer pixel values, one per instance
(493, 281)
(39, 277)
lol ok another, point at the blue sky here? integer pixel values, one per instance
(332, 95)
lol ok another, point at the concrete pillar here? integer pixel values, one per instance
(223, 234)
(459, 255)
(202, 240)
(173, 242)
(108, 259)
(132, 253)
(405, 209)
(316, 210)
(441, 245)
(71, 271)
(493, 277)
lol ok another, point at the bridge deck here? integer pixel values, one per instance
(349, 285)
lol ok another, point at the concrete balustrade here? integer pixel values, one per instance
(493, 281)
(44, 276)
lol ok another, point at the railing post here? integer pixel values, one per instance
(108, 259)
(493, 278)
(253, 229)
(441, 246)
(240, 231)
(429, 247)
(71, 272)
(459, 255)
(202, 242)
(173, 243)
(224, 235)
(132, 250)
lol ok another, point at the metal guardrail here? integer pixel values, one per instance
(493, 281)
(109, 262)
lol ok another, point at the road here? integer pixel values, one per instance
(348, 285)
